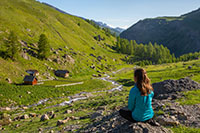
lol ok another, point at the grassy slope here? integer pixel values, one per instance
(29, 19)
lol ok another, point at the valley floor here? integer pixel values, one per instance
(95, 104)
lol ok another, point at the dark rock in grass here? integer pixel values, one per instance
(17, 125)
(9, 80)
(51, 131)
(92, 66)
(25, 56)
(68, 111)
(170, 88)
(60, 49)
(34, 45)
(73, 53)
(50, 113)
(99, 58)
(74, 118)
(92, 55)
(24, 116)
(55, 52)
(189, 67)
(99, 75)
(94, 75)
(61, 122)
(23, 43)
(32, 115)
(98, 38)
(53, 116)
(17, 118)
(44, 117)
(57, 60)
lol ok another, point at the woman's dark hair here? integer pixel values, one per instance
(143, 82)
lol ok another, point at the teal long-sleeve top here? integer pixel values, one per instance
(140, 105)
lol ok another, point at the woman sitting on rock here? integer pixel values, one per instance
(140, 98)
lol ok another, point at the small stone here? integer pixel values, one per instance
(50, 113)
(25, 108)
(75, 118)
(94, 129)
(9, 80)
(28, 92)
(44, 117)
(189, 67)
(113, 125)
(166, 121)
(51, 131)
(53, 116)
(99, 75)
(93, 67)
(94, 75)
(7, 109)
(17, 125)
(68, 111)
(61, 122)
(173, 118)
(24, 116)
(103, 128)
(32, 115)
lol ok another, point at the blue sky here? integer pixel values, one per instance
(124, 13)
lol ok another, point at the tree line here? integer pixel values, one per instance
(147, 54)
(11, 47)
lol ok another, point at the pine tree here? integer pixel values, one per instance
(12, 46)
(43, 47)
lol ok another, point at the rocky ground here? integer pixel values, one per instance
(170, 113)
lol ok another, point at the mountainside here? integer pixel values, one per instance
(116, 30)
(75, 44)
(179, 34)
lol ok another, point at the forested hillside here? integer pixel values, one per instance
(179, 34)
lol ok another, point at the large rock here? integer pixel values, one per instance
(114, 123)
(169, 88)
